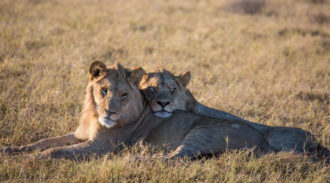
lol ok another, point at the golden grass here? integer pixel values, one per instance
(271, 66)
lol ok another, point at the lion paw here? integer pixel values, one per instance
(55, 153)
(49, 153)
(10, 150)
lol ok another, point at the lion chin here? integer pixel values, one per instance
(106, 122)
(163, 114)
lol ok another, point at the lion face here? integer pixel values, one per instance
(166, 92)
(118, 101)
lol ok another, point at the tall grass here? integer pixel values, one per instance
(271, 66)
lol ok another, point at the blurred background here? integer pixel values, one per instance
(267, 61)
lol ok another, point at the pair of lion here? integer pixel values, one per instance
(123, 106)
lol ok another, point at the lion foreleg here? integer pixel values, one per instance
(43, 144)
(77, 151)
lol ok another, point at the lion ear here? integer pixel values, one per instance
(135, 75)
(96, 69)
(184, 78)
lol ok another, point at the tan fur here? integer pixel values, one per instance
(128, 119)
(89, 127)
(279, 138)
(157, 88)
(185, 134)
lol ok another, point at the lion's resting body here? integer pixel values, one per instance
(183, 134)
(280, 138)
(191, 135)
(116, 112)
(167, 93)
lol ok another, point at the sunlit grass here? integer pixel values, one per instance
(271, 66)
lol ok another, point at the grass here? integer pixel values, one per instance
(270, 66)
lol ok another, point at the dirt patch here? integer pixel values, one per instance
(320, 18)
(246, 6)
(314, 96)
(302, 32)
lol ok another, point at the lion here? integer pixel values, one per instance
(167, 93)
(116, 112)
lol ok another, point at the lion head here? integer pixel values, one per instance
(166, 92)
(115, 94)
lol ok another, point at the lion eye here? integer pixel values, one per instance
(172, 90)
(104, 91)
(152, 89)
(123, 96)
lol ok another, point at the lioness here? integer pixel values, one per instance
(167, 93)
(116, 112)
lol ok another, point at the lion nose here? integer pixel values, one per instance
(109, 112)
(163, 104)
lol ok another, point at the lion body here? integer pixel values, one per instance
(164, 83)
(115, 112)
(187, 134)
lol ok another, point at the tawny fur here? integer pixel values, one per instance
(113, 93)
(279, 138)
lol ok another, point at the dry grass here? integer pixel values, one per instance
(272, 67)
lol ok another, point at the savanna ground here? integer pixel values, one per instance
(268, 63)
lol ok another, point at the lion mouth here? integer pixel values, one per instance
(163, 114)
(106, 121)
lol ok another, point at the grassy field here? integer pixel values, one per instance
(266, 62)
